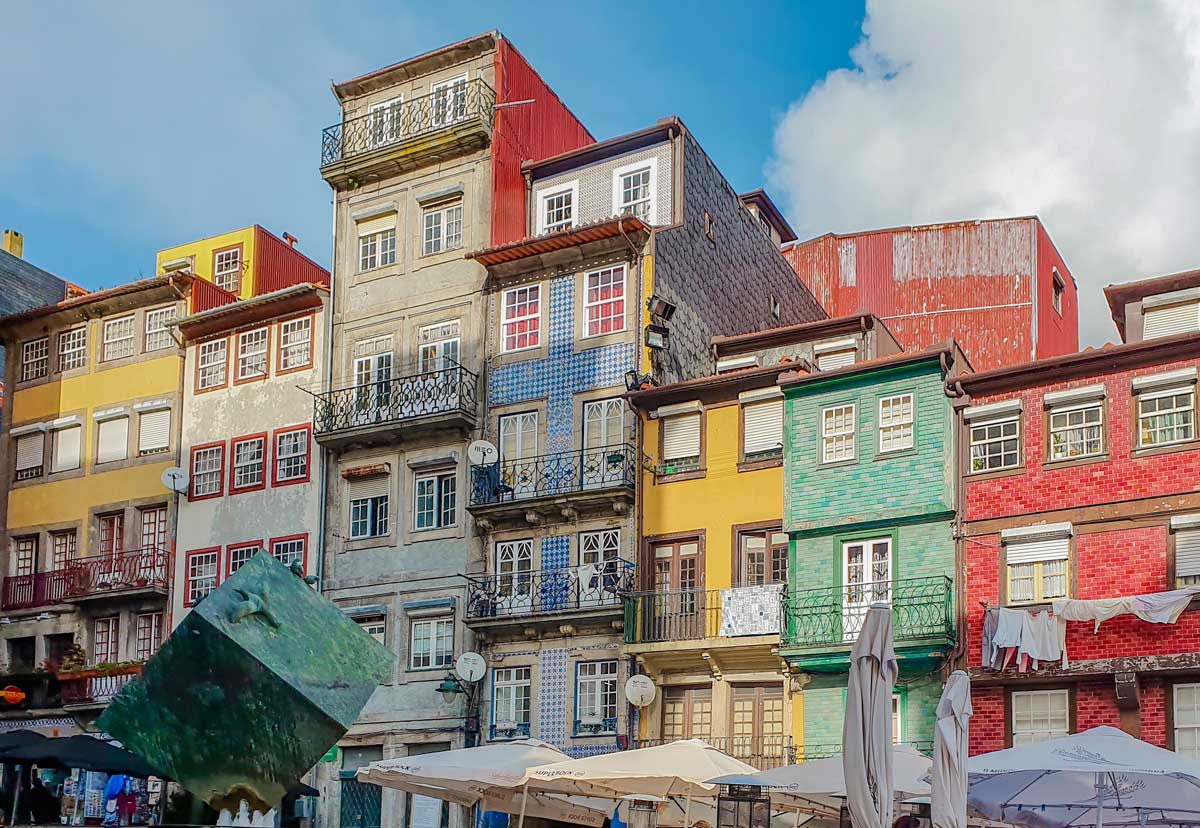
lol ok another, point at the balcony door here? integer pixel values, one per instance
(687, 713)
(867, 577)
(514, 577)
(372, 388)
(604, 452)
(384, 123)
(449, 101)
(757, 734)
(519, 470)
(678, 611)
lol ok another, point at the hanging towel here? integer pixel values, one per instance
(1039, 638)
(1163, 607)
(1155, 608)
(991, 618)
(1008, 628)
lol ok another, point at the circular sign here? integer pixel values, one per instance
(481, 452)
(12, 694)
(175, 479)
(640, 690)
(470, 666)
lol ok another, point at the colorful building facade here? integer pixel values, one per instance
(246, 262)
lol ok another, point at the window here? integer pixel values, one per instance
(558, 210)
(1166, 417)
(1076, 431)
(687, 713)
(763, 555)
(158, 336)
(201, 574)
(450, 101)
(830, 359)
(154, 527)
(896, 423)
(514, 562)
(443, 229)
(112, 439)
(518, 436)
(510, 698)
(376, 250)
(252, 355)
(374, 626)
(867, 577)
(633, 191)
(154, 431)
(290, 550)
(438, 346)
(72, 349)
(149, 635)
(1186, 706)
(603, 423)
(63, 548)
(35, 359)
(1187, 557)
(111, 541)
(119, 338)
(208, 464)
(30, 455)
(227, 269)
(435, 501)
(1059, 287)
(1040, 715)
(762, 430)
(837, 433)
(369, 507)
(106, 639)
(431, 643)
(239, 555)
(710, 226)
(1037, 566)
(248, 461)
(291, 456)
(596, 696)
(681, 443)
(1164, 315)
(897, 719)
(211, 362)
(295, 344)
(757, 730)
(385, 121)
(65, 456)
(24, 556)
(599, 547)
(604, 304)
(995, 444)
(521, 327)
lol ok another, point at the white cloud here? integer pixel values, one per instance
(1086, 113)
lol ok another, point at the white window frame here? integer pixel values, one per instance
(295, 334)
(29, 471)
(35, 358)
(896, 424)
(649, 165)
(198, 577)
(1001, 422)
(1067, 410)
(206, 366)
(72, 349)
(374, 626)
(446, 92)
(510, 680)
(154, 620)
(70, 462)
(228, 263)
(432, 345)
(1047, 732)
(833, 440)
(384, 122)
(1189, 724)
(599, 545)
(247, 355)
(376, 250)
(201, 459)
(619, 323)
(298, 550)
(445, 486)
(534, 290)
(111, 343)
(112, 639)
(240, 554)
(283, 454)
(545, 195)
(897, 718)
(438, 657)
(158, 335)
(1160, 393)
(441, 241)
(255, 467)
(596, 691)
(372, 519)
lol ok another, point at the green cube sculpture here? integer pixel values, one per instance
(262, 677)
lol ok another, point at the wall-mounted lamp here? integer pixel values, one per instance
(660, 307)
(658, 337)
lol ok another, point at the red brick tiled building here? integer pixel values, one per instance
(1081, 480)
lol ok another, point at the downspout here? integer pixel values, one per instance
(954, 390)
(323, 475)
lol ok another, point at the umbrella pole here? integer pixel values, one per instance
(1099, 802)
(524, 799)
(687, 810)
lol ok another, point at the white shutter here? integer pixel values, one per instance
(763, 426)
(377, 225)
(66, 449)
(113, 440)
(681, 437)
(1187, 552)
(835, 359)
(30, 450)
(154, 430)
(365, 487)
(1171, 320)
(1043, 549)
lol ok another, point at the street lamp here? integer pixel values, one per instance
(451, 688)
(463, 680)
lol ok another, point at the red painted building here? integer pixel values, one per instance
(999, 286)
(1082, 481)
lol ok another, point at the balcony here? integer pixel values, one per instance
(595, 481)
(380, 411)
(529, 599)
(87, 578)
(763, 752)
(408, 134)
(40, 589)
(42, 689)
(821, 625)
(95, 686)
(826, 749)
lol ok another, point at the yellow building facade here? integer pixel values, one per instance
(246, 262)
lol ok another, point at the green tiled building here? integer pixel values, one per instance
(869, 505)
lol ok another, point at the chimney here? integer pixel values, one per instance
(12, 242)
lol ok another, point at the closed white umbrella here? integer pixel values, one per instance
(1102, 777)
(867, 731)
(948, 797)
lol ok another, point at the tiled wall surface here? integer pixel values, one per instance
(595, 182)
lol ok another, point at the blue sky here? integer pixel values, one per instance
(143, 124)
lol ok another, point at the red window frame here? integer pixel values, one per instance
(284, 538)
(307, 429)
(192, 496)
(312, 333)
(187, 568)
(229, 547)
(266, 458)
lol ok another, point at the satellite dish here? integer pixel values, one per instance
(470, 666)
(481, 452)
(640, 690)
(175, 479)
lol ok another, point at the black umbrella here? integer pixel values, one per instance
(300, 789)
(19, 739)
(83, 752)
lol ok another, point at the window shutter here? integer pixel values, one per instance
(1171, 320)
(113, 440)
(681, 437)
(154, 430)
(66, 449)
(764, 426)
(1187, 553)
(377, 225)
(835, 359)
(30, 450)
(365, 487)
(1048, 549)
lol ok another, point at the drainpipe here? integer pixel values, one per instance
(955, 392)
(323, 475)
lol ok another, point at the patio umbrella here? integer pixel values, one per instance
(948, 797)
(1102, 777)
(867, 731)
(83, 752)
(19, 738)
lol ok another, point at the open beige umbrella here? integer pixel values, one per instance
(948, 782)
(867, 731)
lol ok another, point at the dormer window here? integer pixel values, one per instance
(558, 209)
(633, 191)
(838, 354)
(1059, 288)
(1171, 314)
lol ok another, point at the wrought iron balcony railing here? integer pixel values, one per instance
(763, 752)
(693, 614)
(401, 399)
(922, 608)
(592, 469)
(823, 750)
(405, 120)
(595, 726)
(570, 589)
(136, 569)
(97, 684)
(37, 590)
(512, 730)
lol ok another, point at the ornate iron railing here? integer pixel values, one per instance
(606, 726)
(94, 685)
(397, 400)
(921, 608)
(508, 481)
(591, 586)
(823, 750)
(37, 590)
(520, 730)
(97, 574)
(692, 614)
(405, 120)
(763, 752)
